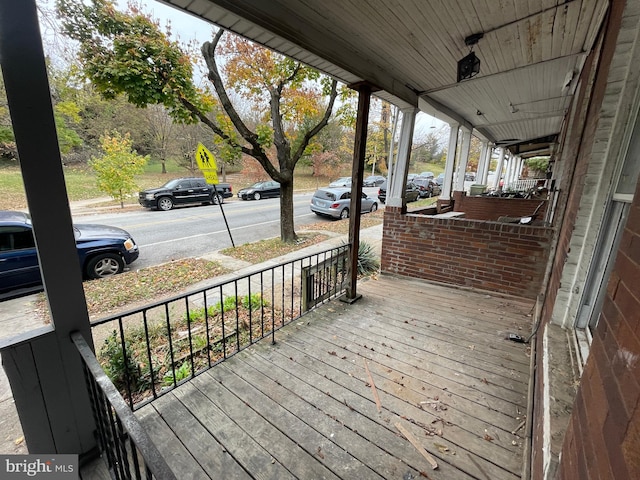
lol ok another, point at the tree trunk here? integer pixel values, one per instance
(287, 232)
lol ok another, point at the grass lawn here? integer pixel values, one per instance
(81, 183)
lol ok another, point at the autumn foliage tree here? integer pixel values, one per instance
(115, 170)
(128, 53)
(286, 95)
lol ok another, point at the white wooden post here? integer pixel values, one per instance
(395, 191)
(447, 189)
(481, 173)
(500, 166)
(508, 170)
(464, 158)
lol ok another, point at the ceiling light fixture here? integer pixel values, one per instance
(469, 66)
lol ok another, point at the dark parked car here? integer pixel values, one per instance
(260, 190)
(427, 188)
(184, 191)
(411, 193)
(103, 251)
(373, 181)
(335, 202)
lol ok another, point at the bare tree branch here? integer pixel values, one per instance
(257, 152)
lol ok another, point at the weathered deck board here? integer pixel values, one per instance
(456, 360)
(304, 408)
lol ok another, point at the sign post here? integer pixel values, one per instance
(207, 164)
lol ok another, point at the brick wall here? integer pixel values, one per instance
(491, 208)
(492, 256)
(603, 437)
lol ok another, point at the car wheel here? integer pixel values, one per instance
(216, 200)
(104, 265)
(257, 196)
(344, 213)
(374, 207)
(165, 204)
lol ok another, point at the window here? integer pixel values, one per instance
(16, 238)
(611, 231)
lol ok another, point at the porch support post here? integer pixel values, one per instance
(514, 169)
(490, 151)
(485, 154)
(454, 128)
(508, 169)
(43, 367)
(464, 159)
(519, 169)
(498, 176)
(357, 173)
(395, 192)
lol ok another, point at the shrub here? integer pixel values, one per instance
(119, 363)
(368, 262)
(229, 304)
(181, 373)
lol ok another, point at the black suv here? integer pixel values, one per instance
(183, 191)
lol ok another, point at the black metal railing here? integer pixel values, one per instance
(149, 351)
(127, 449)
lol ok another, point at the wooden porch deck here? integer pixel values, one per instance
(305, 407)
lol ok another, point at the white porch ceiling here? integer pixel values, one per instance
(531, 52)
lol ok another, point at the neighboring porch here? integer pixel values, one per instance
(305, 407)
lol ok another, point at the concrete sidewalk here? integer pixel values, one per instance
(16, 317)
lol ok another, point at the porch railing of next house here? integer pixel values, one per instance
(148, 351)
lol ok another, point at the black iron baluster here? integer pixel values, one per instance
(122, 447)
(261, 304)
(149, 358)
(293, 277)
(273, 308)
(237, 318)
(169, 337)
(118, 466)
(189, 334)
(127, 374)
(282, 303)
(134, 457)
(206, 327)
(224, 337)
(250, 311)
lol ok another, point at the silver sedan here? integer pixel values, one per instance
(335, 202)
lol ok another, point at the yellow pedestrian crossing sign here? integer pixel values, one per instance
(207, 163)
